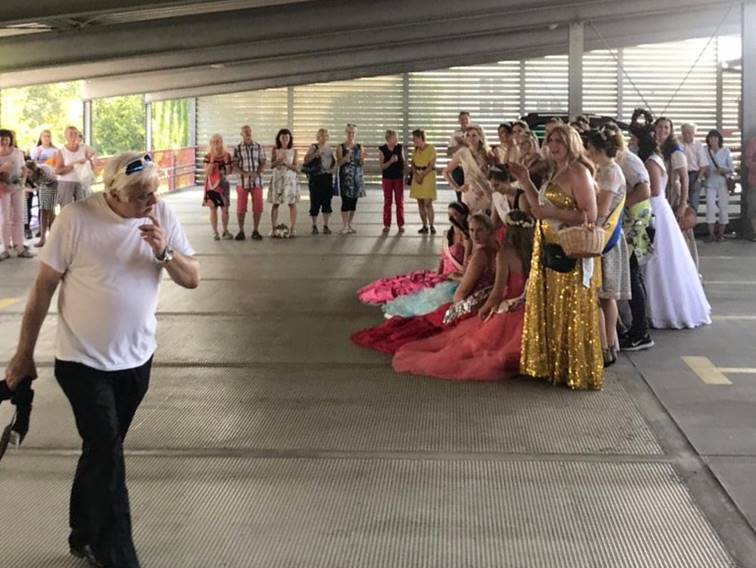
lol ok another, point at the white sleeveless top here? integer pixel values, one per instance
(70, 157)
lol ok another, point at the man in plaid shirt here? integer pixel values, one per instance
(249, 161)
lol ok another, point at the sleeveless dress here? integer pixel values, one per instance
(561, 339)
(474, 350)
(284, 186)
(387, 289)
(351, 174)
(392, 334)
(675, 296)
(479, 192)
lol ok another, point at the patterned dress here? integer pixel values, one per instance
(284, 187)
(560, 339)
(351, 182)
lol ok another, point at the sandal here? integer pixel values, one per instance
(25, 253)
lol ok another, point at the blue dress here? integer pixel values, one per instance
(423, 302)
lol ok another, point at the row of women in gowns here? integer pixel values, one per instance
(504, 312)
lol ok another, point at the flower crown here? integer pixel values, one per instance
(525, 222)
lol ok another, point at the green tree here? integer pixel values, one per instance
(118, 125)
(29, 110)
(170, 124)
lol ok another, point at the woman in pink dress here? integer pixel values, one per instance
(479, 277)
(487, 347)
(452, 256)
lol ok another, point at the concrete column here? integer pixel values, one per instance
(148, 126)
(193, 121)
(405, 111)
(290, 107)
(87, 122)
(748, 105)
(522, 88)
(575, 89)
(620, 84)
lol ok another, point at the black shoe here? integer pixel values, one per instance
(433, 230)
(315, 230)
(85, 552)
(28, 233)
(641, 344)
(423, 231)
(240, 236)
(256, 236)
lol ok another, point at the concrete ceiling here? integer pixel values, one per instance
(185, 47)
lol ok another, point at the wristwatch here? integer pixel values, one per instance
(166, 257)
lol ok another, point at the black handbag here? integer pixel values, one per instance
(313, 167)
(554, 258)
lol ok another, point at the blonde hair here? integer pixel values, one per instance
(115, 179)
(483, 147)
(574, 144)
(390, 133)
(323, 131)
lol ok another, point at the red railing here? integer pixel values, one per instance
(177, 168)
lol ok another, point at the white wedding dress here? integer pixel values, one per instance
(675, 295)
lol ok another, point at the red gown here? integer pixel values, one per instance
(474, 350)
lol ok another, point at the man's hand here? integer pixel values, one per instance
(21, 367)
(154, 236)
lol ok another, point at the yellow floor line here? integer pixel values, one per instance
(738, 370)
(7, 302)
(706, 371)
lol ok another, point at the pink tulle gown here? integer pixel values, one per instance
(386, 289)
(389, 336)
(474, 350)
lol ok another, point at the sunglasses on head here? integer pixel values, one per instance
(138, 165)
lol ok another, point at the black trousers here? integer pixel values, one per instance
(104, 404)
(639, 327)
(348, 203)
(458, 175)
(321, 193)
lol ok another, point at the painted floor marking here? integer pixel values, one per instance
(706, 371)
(7, 302)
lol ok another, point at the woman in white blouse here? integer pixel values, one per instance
(717, 193)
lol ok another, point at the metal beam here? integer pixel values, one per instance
(322, 66)
(15, 12)
(297, 23)
(575, 82)
(253, 83)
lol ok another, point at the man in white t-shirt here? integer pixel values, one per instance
(107, 254)
(456, 142)
(698, 162)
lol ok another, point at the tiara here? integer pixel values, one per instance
(525, 222)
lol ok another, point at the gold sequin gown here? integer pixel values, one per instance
(561, 340)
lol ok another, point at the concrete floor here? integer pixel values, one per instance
(268, 439)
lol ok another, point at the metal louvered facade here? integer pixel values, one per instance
(683, 80)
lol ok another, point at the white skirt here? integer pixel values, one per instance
(675, 295)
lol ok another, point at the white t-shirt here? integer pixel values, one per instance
(109, 290)
(695, 153)
(633, 169)
(70, 157)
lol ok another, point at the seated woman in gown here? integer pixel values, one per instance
(487, 347)
(452, 257)
(425, 300)
(478, 277)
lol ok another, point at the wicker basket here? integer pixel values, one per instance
(582, 241)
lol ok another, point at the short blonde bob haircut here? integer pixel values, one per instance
(125, 186)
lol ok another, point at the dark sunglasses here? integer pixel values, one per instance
(138, 165)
